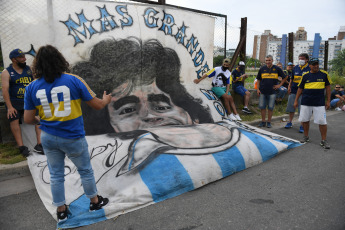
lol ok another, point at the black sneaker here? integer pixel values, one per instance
(246, 110)
(325, 144)
(24, 151)
(101, 202)
(304, 139)
(39, 149)
(62, 215)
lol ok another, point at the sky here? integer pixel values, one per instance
(279, 16)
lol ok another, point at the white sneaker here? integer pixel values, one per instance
(232, 117)
(238, 117)
(337, 109)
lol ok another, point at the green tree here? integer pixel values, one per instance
(217, 61)
(338, 63)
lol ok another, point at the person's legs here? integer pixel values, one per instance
(16, 131)
(77, 151)
(335, 102)
(226, 104)
(56, 165)
(306, 128)
(38, 134)
(323, 131)
(271, 100)
(246, 99)
(320, 119)
(304, 118)
(262, 106)
(289, 108)
(232, 103)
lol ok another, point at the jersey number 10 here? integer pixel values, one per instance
(59, 108)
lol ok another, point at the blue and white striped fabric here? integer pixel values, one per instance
(144, 167)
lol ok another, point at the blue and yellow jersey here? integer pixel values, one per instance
(220, 78)
(18, 82)
(59, 104)
(297, 73)
(268, 78)
(236, 74)
(313, 85)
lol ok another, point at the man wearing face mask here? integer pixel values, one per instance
(238, 78)
(220, 86)
(14, 80)
(296, 77)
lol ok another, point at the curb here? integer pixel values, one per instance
(12, 171)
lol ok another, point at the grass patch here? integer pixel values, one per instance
(9, 154)
(279, 110)
(337, 79)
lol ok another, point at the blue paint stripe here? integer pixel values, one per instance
(230, 161)
(266, 148)
(166, 177)
(80, 215)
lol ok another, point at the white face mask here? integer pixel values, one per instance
(301, 62)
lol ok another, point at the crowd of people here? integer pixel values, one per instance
(305, 84)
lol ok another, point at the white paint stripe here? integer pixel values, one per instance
(202, 169)
(249, 150)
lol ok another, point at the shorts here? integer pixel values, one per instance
(267, 100)
(334, 102)
(18, 116)
(219, 91)
(240, 90)
(319, 113)
(291, 101)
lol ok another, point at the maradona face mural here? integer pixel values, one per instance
(161, 135)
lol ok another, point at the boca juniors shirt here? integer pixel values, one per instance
(313, 85)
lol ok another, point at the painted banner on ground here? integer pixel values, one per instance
(161, 135)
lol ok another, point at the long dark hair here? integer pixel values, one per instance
(49, 63)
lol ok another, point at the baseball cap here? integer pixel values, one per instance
(313, 61)
(290, 63)
(16, 53)
(241, 63)
(226, 60)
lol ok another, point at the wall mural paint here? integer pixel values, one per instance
(161, 135)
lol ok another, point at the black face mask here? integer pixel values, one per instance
(224, 68)
(241, 68)
(22, 65)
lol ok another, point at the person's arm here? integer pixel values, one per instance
(227, 89)
(328, 95)
(5, 81)
(298, 94)
(258, 87)
(196, 81)
(99, 104)
(283, 76)
(30, 117)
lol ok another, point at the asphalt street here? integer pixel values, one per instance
(302, 188)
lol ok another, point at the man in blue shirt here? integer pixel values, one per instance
(14, 80)
(313, 85)
(337, 98)
(267, 81)
(238, 78)
(296, 77)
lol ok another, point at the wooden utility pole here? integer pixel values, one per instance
(325, 60)
(290, 52)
